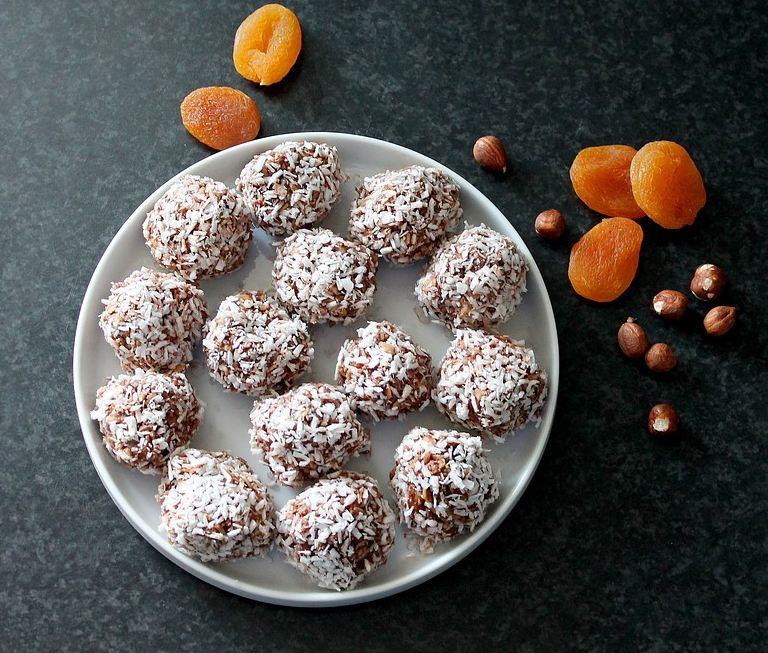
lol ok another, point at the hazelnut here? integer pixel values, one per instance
(720, 320)
(670, 304)
(632, 339)
(489, 152)
(708, 282)
(663, 420)
(660, 358)
(549, 224)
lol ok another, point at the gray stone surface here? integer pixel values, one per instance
(620, 543)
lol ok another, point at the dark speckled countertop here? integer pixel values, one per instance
(621, 542)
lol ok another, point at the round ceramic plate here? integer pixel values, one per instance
(226, 421)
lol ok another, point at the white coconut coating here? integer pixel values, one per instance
(146, 417)
(444, 484)
(338, 530)
(152, 320)
(199, 228)
(306, 433)
(213, 507)
(404, 215)
(253, 346)
(384, 372)
(324, 277)
(292, 186)
(490, 384)
(476, 279)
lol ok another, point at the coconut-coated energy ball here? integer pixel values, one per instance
(292, 186)
(199, 228)
(404, 215)
(146, 417)
(323, 277)
(384, 372)
(490, 384)
(476, 279)
(152, 320)
(254, 346)
(308, 432)
(338, 530)
(444, 484)
(213, 507)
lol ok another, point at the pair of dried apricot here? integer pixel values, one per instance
(659, 180)
(267, 45)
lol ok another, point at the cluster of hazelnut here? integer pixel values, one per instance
(707, 284)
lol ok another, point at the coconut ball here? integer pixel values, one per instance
(307, 433)
(324, 277)
(213, 507)
(384, 372)
(253, 346)
(338, 530)
(490, 384)
(292, 186)
(444, 484)
(199, 228)
(403, 215)
(152, 320)
(146, 417)
(476, 279)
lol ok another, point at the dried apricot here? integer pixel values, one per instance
(600, 177)
(604, 260)
(267, 44)
(667, 184)
(220, 116)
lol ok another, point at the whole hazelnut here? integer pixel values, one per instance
(549, 224)
(660, 358)
(489, 152)
(663, 420)
(670, 304)
(708, 282)
(720, 320)
(632, 339)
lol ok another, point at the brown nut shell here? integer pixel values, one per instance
(632, 340)
(663, 420)
(549, 224)
(660, 358)
(489, 152)
(708, 282)
(720, 320)
(670, 304)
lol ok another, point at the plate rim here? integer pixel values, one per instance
(313, 597)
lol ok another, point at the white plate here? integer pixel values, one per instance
(226, 421)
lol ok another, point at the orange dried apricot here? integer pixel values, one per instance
(604, 260)
(600, 177)
(667, 184)
(267, 44)
(220, 116)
